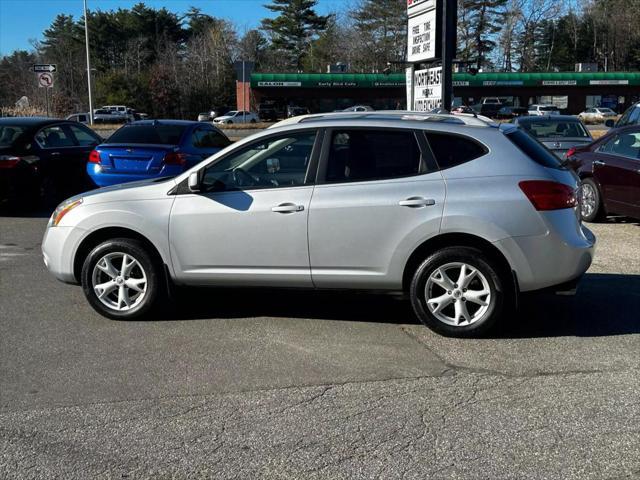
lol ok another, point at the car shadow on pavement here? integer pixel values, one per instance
(605, 305)
(205, 303)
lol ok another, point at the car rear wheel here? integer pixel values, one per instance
(591, 207)
(458, 292)
(120, 279)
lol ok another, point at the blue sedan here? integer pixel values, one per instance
(152, 149)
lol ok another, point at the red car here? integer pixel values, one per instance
(610, 173)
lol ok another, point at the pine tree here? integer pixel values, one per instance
(382, 29)
(483, 20)
(293, 30)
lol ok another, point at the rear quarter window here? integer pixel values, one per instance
(534, 149)
(452, 150)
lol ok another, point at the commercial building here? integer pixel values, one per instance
(571, 92)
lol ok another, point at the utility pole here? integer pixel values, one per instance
(449, 37)
(86, 42)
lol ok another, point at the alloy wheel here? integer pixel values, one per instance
(458, 294)
(119, 281)
(588, 200)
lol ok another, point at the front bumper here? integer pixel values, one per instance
(58, 247)
(559, 257)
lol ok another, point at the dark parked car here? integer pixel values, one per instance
(610, 173)
(43, 158)
(152, 149)
(268, 112)
(559, 133)
(293, 111)
(508, 113)
(630, 117)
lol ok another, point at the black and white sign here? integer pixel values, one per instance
(427, 89)
(44, 67)
(422, 37)
(45, 80)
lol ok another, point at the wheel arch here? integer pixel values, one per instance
(434, 244)
(96, 237)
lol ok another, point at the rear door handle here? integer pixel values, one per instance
(287, 208)
(417, 202)
(55, 154)
(600, 163)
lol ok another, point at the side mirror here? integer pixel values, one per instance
(194, 181)
(610, 124)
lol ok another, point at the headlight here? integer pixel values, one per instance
(64, 208)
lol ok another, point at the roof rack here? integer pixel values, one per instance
(470, 120)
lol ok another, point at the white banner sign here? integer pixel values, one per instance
(279, 84)
(422, 37)
(427, 89)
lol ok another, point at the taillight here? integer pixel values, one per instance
(94, 156)
(546, 195)
(174, 158)
(571, 152)
(9, 161)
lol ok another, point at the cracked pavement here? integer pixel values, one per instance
(287, 385)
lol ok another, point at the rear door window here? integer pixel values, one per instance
(84, 138)
(207, 138)
(361, 155)
(451, 150)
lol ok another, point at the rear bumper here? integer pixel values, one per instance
(105, 179)
(555, 260)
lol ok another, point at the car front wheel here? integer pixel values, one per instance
(458, 292)
(120, 279)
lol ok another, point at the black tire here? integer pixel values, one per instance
(253, 120)
(489, 275)
(598, 213)
(229, 122)
(150, 268)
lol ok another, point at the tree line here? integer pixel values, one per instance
(173, 65)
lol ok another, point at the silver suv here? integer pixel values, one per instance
(456, 212)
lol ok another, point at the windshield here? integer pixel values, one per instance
(152, 134)
(606, 110)
(548, 109)
(9, 134)
(555, 129)
(231, 113)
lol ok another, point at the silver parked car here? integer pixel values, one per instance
(458, 213)
(559, 133)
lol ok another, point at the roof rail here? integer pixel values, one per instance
(470, 120)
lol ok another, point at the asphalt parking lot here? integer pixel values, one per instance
(281, 384)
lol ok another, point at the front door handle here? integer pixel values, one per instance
(287, 208)
(600, 163)
(417, 202)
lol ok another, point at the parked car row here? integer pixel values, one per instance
(47, 160)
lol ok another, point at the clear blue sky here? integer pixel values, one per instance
(25, 20)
